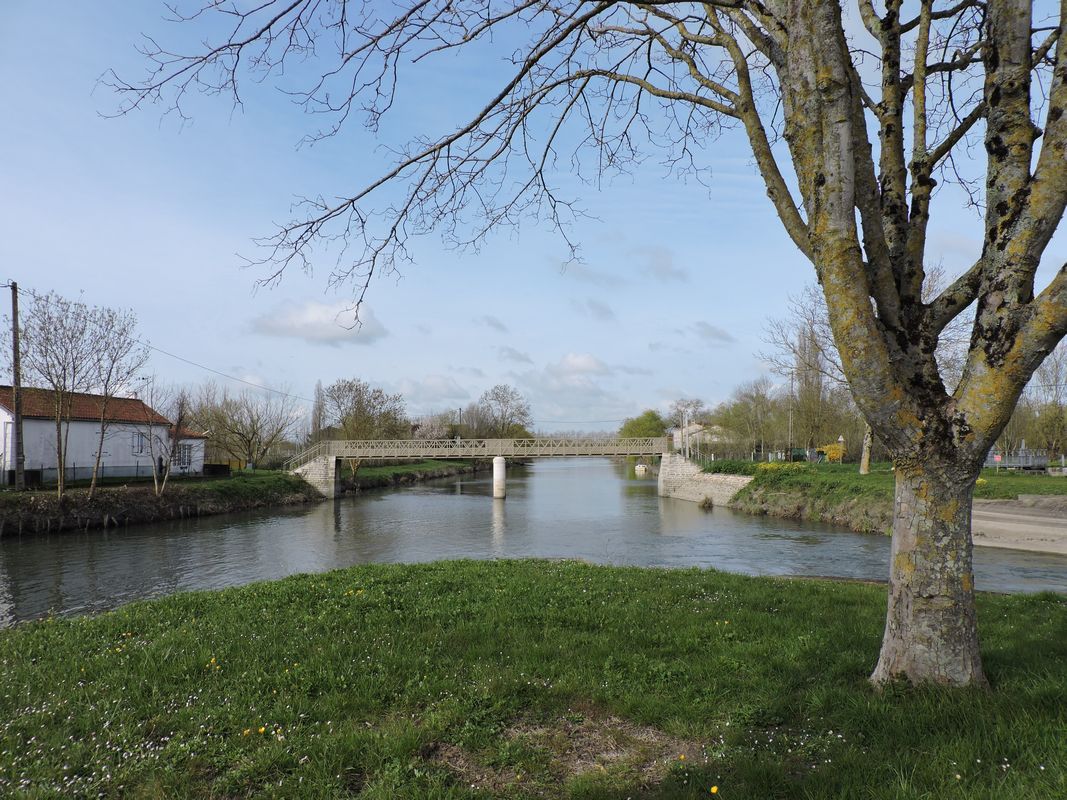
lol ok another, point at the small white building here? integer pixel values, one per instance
(697, 434)
(134, 436)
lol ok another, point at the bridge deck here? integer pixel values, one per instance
(482, 448)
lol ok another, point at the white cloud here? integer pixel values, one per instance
(431, 390)
(595, 309)
(574, 364)
(712, 333)
(472, 371)
(511, 354)
(586, 274)
(320, 323)
(659, 264)
(493, 323)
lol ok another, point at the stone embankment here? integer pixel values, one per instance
(681, 479)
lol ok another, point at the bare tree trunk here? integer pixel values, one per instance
(931, 634)
(865, 455)
(96, 465)
(99, 448)
(61, 456)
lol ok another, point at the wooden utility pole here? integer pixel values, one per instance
(16, 390)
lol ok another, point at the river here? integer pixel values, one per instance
(582, 508)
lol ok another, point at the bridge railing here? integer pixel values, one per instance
(546, 447)
(300, 459)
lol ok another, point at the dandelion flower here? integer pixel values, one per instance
(262, 729)
(714, 789)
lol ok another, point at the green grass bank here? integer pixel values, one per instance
(523, 679)
(838, 494)
(135, 503)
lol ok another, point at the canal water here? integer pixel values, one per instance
(591, 509)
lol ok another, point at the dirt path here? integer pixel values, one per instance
(1033, 522)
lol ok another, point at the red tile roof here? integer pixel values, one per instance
(40, 404)
(186, 433)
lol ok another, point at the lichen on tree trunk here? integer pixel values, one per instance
(931, 633)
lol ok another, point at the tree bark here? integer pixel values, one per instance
(865, 455)
(99, 447)
(61, 457)
(931, 633)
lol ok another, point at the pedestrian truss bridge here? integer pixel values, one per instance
(545, 447)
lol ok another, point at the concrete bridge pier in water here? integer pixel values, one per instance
(318, 464)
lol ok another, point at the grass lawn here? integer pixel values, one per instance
(241, 486)
(523, 679)
(838, 493)
(843, 481)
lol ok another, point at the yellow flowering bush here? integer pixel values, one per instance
(834, 452)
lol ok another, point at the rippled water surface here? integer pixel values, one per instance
(592, 509)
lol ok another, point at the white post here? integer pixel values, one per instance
(499, 478)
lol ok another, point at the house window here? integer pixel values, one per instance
(183, 455)
(140, 444)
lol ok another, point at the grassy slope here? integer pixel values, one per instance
(837, 493)
(136, 502)
(523, 679)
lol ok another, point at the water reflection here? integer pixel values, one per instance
(591, 509)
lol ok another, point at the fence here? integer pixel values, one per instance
(1024, 458)
(45, 476)
(705, 453)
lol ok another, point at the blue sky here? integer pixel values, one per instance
(141, 212)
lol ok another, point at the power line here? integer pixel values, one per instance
(149, 345)
(224, 374)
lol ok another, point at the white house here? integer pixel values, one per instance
(697, 434)
(134, 435)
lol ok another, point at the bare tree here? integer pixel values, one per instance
(318, 413)
(248, 424)
(59, 344)
(358, 410)
(119, 357)
(507, 410)
(476, 421)
(683, 408)
(617, 76)
(803, 349)
(166, 410)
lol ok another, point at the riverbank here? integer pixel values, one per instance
(134, 504)
(1011, 510)
(395, 681)
(120, 506)
(833, 494)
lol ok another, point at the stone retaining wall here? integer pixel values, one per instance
(322, 474)
(681, 479)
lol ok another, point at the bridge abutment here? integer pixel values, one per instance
(322, 473)
(681, 479)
